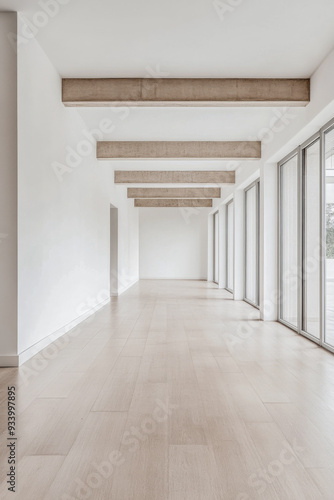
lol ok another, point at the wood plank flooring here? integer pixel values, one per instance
(173, 392)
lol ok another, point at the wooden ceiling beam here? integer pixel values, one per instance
(206, 192)
(173, 203)
(177, 150)
(174, 177)
(185, 91)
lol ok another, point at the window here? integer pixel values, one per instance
(306, 238)
(230, 246)
(252, 244)
(329, 228)
(216, 247)
(288, 183)
(311, 292)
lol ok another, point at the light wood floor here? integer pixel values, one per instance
(174, 392)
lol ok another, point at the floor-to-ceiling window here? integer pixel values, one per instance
(329, 229)
(252, 244)
(288, 238)
(230, 246)
(306, 238)
(311, 248)
(216, 247)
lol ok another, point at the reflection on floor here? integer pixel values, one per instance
(174, 392)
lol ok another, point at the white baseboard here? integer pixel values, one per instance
(124, 288)
(9, 361)
(42, 344)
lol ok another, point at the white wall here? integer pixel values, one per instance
(8, 190)
(128, 234)
(64, 209)
(173, 243)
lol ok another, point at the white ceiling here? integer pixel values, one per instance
(183, 124)
(184, 38)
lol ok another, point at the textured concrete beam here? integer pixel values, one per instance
(208, 150)
(174, 192)
(174, 177)
(185, 91)
(172, 203)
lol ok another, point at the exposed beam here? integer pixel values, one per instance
(174, 192)
(208, 150)
(185, 91)
(174, 177)
(173, 203)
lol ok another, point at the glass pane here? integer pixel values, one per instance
(251, 245)
(216, 248)
(329, 166)
(311, 240)
(230, 246)
(289, 241)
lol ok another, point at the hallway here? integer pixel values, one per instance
(174, 391)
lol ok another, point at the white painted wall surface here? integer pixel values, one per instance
(128, 233)
(8, 189)
(173, 243)
(64, 211)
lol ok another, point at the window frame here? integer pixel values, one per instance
(255, 184)
(215, 216)
(325, 129)
(300, 152)
(302, 240)
(286, 159)
(227, 244)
